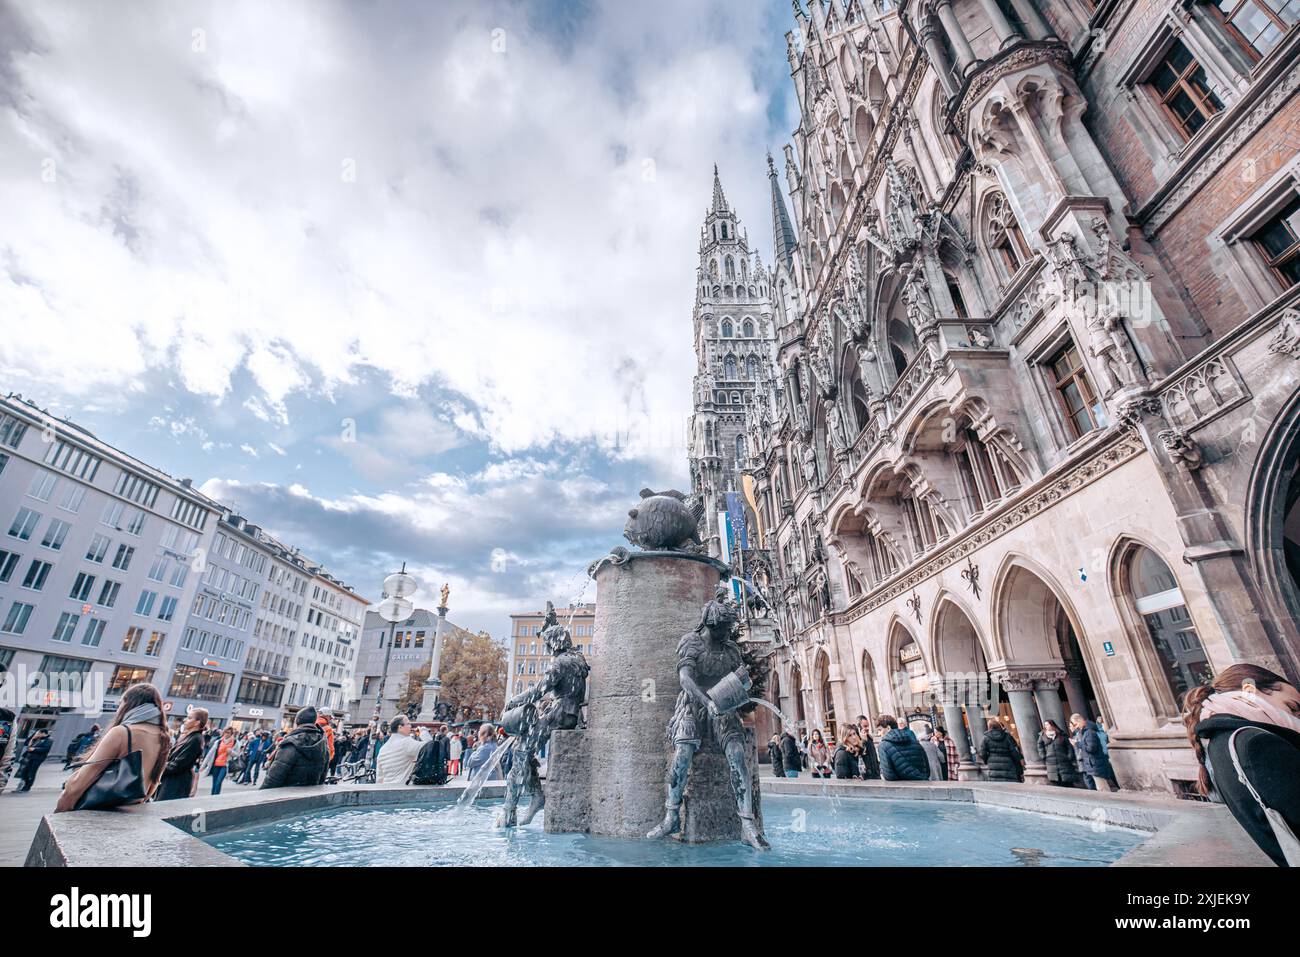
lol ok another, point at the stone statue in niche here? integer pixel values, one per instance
(808, 461)
(555, 703)
(1109, 344)
(916, 294)
(715, 682)
(835, 423)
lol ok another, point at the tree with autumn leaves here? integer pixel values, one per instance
(473, 676)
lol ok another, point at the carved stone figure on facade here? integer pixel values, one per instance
(916, 294)
(1109, 344)
(715, 682)
(554, 704)
(821, 369)
(808, 462)
(1182, 448)
(835, 426)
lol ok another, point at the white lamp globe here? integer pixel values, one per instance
(396, 609)
(400, 585)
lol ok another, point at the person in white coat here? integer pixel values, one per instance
(455, 749)
(397, 757)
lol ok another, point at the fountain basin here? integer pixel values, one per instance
(1155, 831)
(804, 830)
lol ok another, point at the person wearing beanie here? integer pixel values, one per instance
(302, 756)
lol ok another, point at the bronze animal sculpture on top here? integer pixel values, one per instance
(663, 521)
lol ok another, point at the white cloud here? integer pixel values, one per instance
(501, 237)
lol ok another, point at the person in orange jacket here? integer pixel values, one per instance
(323, 721)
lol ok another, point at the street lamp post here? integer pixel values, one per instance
(395, 607)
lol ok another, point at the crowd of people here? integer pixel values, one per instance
(1243, 726)
(177, 763)
(1078, 758)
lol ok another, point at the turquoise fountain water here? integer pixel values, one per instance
(804, 831)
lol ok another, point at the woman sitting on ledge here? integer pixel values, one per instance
(1245, 729)
(139, 725)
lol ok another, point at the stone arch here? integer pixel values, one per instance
(904, 697)
(1272, 525)
(870, 693)
(957, 642)
(797, 711)
(1025, 599)
(823, 691)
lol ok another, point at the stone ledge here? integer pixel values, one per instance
(164, 834)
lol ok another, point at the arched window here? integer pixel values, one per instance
(858, 401)
(1002, 233)
(729, 267)
(748, 328)
(902, 344)
(729, 367)
(837, 203)
(751, 368)
(726, 328)
(1159, 602)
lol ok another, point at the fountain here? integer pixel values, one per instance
(662, 754)
(612, 778)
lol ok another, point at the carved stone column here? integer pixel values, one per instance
(1002, 27)
(1039, 29)
(1074, 688)
(956, 36)
(1020, 692)
(939, 58)
(1048, 698)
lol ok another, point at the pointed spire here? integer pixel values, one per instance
(783, 242)
(719, 201)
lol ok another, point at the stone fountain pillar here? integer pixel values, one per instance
(610, 778)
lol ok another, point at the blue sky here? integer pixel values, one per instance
(398, 281)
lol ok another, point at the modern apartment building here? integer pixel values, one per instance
(98, 553)
(113, 572)
(321, 670)
(528, 659)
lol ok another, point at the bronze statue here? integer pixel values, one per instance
(554, 703)
(709, 658)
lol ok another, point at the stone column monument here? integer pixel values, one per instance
(610, 778)
(433, 684)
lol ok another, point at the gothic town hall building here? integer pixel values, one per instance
(1018, 403)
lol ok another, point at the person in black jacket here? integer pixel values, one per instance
(845, 762)
(1254, 713)
(178, 773)
(34, 755)
(1000, 754)
(1092, 754)
(431, 762)
(1058, 754)
(302, 756)
(774, 755)
(901, 756)
(867, 760)
(790, 759)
